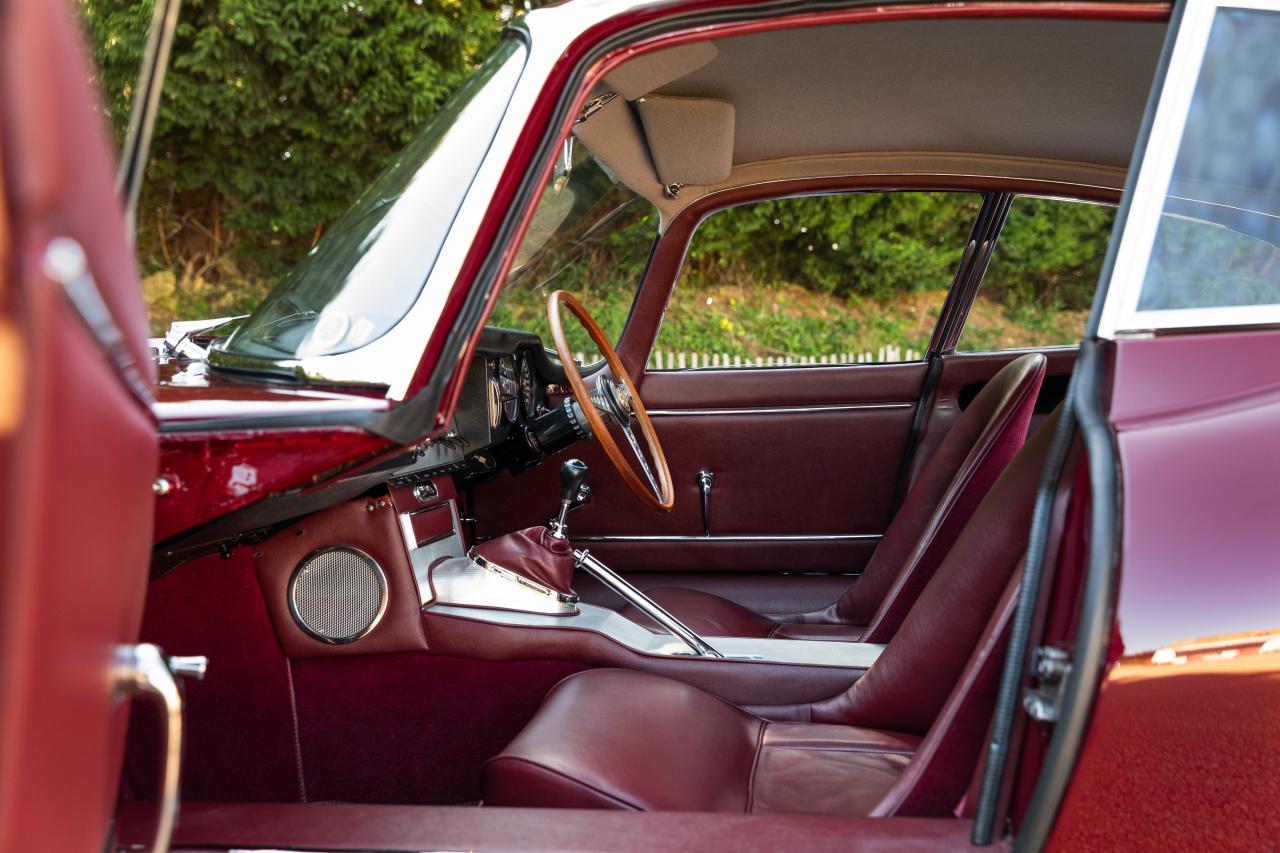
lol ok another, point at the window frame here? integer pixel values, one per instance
(1136, 228)
(925, 353)
(640, 334)
(1112, 201)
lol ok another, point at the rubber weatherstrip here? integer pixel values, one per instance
(1020, 631)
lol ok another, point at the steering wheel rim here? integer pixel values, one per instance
(658, 493)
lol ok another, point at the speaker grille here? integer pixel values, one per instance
(338, 594)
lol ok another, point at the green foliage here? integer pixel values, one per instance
(874, 245)
(1050, 254)
(277, 113)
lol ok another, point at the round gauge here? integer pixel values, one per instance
(508, 389)
(493, 396)
(528, 387)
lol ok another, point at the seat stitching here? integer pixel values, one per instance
(755, 764)
(562, 775)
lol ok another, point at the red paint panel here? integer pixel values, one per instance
(1182, 743)
(215, 474)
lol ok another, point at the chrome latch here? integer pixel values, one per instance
(706, 479)
(1050, 667)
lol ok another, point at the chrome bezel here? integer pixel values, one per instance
(293, 605)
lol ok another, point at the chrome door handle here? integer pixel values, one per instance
(706, 479)
(144, 670)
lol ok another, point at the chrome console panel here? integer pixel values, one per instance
(467, 582)
(422, 556)
(623, 631)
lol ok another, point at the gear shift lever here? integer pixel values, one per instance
(573, 484)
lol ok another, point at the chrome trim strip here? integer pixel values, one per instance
(782, 537)
(197, 409)
(775, 410)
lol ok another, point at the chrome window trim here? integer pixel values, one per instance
(1120, 314)
(774, 410)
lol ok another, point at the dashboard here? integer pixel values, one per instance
(512, 411)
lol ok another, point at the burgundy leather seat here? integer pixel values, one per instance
(944, 495)
(903, 739)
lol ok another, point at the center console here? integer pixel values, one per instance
(512, 598)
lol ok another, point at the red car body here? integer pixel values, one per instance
(1164, 590)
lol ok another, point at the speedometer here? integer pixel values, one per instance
(528, 387)
(508, 389)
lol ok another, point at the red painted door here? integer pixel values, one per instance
(78, 449)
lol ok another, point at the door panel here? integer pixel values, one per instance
(79, 458)
(805, 458)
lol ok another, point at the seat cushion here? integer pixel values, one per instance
(629, 740)
(710, 615)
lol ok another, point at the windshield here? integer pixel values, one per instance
(368, 269)
(591, 235)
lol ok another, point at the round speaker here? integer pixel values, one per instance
(338, 594)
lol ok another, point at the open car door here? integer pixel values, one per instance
(78, 448)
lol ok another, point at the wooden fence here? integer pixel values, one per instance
(670, 360)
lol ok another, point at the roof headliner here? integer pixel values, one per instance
(820, 100)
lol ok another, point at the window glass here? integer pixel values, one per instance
(368, 269)
(590, 235)
(1218, 242)
(1039, 285)
(819, 279)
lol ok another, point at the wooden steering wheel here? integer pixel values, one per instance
(619, 400)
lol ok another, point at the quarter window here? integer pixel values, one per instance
(1039, 285)
(1218, 241)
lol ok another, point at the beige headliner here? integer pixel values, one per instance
(1044, 99)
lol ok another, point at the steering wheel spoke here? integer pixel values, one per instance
(621, 402)
(644, 463)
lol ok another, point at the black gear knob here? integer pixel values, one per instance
(573, 475)
(573, 481)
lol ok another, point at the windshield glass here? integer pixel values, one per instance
(590, 235)
(368, 269)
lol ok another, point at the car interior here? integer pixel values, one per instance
(615, 582)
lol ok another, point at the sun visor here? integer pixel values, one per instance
(644, 74)
(614, 136)
(691, 139)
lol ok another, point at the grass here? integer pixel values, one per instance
(778, 321)
(786, 321)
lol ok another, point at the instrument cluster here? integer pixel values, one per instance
(514, 391)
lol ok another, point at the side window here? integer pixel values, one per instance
(834, 279)
(1039, 286)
